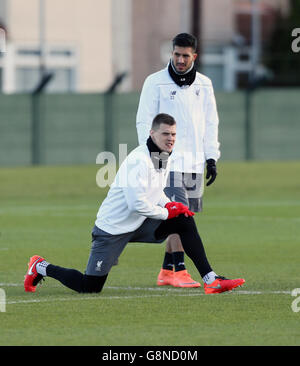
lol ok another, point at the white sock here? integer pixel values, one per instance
(209, 277)
(41, 268)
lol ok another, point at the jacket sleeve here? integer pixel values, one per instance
(163, 200)
(137, 197)
(211, 142)
(148, 108)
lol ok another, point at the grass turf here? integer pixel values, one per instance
(250, 228)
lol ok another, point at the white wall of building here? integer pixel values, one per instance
(77, 38)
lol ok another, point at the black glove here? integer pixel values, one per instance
(211, 171)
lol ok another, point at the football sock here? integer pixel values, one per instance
(168, 261)
(69, 277)
(76, 280)
(209, 277)
(178, 259)
(41, 268)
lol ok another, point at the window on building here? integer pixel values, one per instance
(61, 61)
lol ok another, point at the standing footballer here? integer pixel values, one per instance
(188, 96)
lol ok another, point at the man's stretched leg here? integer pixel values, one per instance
(186, 228)
(71, 278)
(76, 280)
(106, 249)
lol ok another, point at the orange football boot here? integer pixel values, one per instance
(222, 284)
(184, 279)
(32, 278)
(165, 277)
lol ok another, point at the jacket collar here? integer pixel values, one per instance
(182, 79)
(159, 158)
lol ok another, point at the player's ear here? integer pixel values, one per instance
(195, 56)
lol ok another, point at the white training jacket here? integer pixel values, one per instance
(135, 194)
(194, 110)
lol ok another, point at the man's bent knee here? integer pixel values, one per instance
(93, 284)
(184, 223)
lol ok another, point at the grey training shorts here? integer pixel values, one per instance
(106, 248)
(186, 188)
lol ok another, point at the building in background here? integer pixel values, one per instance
(72, 39)
(88, 43)
(224, 35)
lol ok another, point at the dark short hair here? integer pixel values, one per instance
(162, 118)
(185, 40)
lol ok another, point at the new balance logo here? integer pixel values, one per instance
(172, 94)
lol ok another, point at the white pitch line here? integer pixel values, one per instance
(129, 288)
(174, 290)
(167, 293)
(166, 289)
(103, 297)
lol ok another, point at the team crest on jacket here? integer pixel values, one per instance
(197, 92)
(98, 266)
(172, 94)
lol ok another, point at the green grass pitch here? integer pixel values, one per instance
(250, 227)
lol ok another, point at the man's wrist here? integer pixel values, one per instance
(210, 162)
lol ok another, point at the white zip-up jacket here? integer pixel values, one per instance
(135, 194)
(194, 110)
